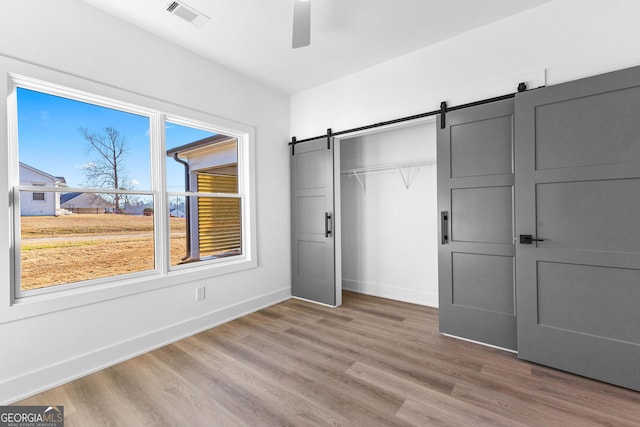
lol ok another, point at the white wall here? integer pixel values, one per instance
(28, 206)
(389, 232)
(69, 36)
(569, 39)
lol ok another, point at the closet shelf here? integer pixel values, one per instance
(404, 170)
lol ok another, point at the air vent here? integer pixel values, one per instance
(187, 13)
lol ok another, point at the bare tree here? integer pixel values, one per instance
(108, 169)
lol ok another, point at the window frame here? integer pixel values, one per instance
(240, 194)
(40, 194)
(15, 303)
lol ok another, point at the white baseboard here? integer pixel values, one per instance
(413, 296)
(37, 381)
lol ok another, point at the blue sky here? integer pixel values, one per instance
(49, 140)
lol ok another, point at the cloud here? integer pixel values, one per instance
(88, 165)
(135, 182)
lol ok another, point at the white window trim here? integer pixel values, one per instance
(241, 192)
(33, 194)
(14, 306)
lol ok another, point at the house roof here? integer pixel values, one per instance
(56, 179)
(84, 200)
(215, 139)
(65, 197)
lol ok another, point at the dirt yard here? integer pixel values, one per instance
(72, 248)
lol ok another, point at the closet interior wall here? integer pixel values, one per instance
(389, 214)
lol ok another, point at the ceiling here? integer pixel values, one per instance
(253, 37)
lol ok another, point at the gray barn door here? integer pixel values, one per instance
(578, 189)
(475, 200)
(313, 259)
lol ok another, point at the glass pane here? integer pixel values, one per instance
(194, 154)
(87, 240)
(204, 228)
(177, 229)
(66, 142)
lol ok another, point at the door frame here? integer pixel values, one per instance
(337, 210)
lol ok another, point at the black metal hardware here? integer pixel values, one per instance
(522, 87)
(327, 222)
(329, 135)
(527, 239)
(443, 114)
(444, 227)
(293, 146)
(409, 118)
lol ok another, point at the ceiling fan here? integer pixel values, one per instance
(301, 23)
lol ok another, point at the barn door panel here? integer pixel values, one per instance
(578, 205)
(475, 200)
(312, 205)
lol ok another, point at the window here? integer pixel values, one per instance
(128, 192)
(209, 203)
(38, 197)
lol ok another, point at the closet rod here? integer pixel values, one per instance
(443, 108)
(385, 168)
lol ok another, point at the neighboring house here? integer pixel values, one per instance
(135, 208)
(85, 203)
(214, 224)
(177, 212)
(36, 203)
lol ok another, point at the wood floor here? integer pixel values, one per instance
(370, 362)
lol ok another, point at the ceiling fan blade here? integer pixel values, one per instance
(301, 23)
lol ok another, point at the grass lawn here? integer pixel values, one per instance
(72, 248)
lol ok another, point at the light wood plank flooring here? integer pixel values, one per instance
(370, 362)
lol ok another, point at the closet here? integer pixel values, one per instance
(388, 213)
(363, 214)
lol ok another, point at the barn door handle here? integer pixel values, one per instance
(327, 224)
(444, 227)
(527, 239)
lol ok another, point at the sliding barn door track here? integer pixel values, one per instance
(442, 111)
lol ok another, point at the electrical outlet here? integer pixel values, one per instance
(199, 293)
